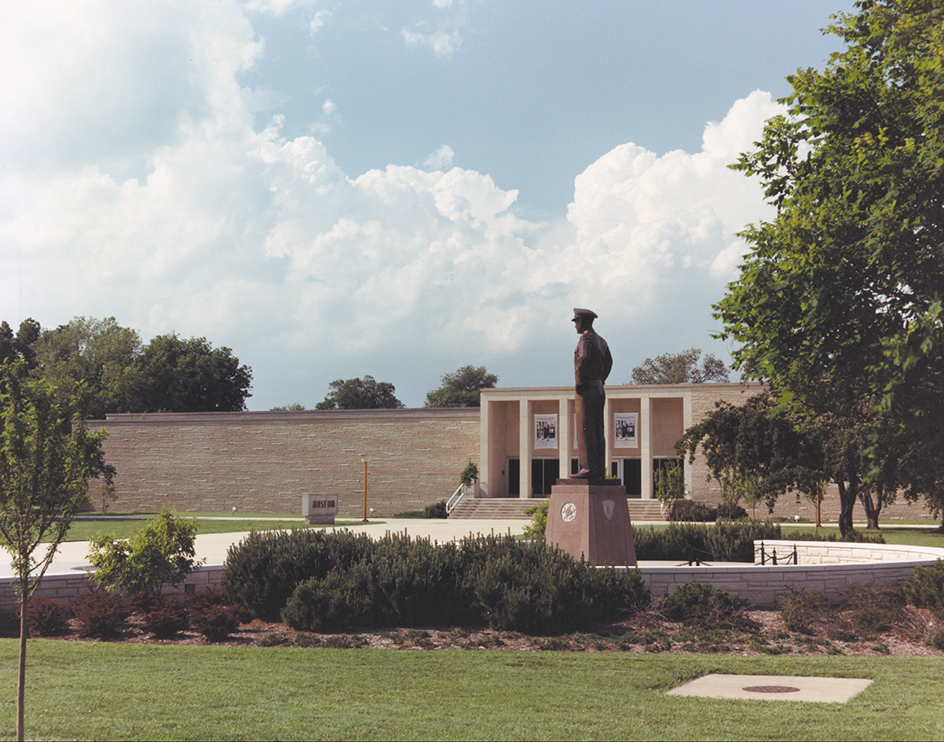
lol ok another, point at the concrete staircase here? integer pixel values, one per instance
(494, 508)
(499, 508)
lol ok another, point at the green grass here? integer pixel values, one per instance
(924, 536)
(85, 529)
(90, 690)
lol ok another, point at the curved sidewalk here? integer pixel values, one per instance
(213, 547)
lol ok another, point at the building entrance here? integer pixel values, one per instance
(544, 474)
(629, 472)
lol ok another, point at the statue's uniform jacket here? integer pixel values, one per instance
(592, 364)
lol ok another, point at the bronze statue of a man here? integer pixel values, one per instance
(592, 364)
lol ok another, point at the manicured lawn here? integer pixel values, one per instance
(924, 536)
(84, 529)
(91, 690)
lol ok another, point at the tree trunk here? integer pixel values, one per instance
(872, 508)
(21, 672)
(847, 499)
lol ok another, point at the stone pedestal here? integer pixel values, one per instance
(590, 518)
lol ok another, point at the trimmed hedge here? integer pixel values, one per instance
(721, 542)
(494, 581)
(264, 569)
(853, 536)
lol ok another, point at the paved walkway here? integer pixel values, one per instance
(213, 547)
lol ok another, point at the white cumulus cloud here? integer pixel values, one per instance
(440, 159)
(192, 220)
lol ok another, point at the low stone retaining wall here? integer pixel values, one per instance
(824, 566)
(66, 587)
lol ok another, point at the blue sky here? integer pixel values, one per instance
(334, 189)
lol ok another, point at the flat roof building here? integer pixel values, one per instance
(528, 435)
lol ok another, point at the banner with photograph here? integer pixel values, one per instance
(625, 425)
(545, 431)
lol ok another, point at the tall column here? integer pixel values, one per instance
(645, 445)
(565, 436)
(525, 446)
(686, 424)
(607, 435)
(485, 448)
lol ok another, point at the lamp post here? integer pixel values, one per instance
(365, 458)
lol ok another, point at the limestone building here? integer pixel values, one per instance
(521, 439)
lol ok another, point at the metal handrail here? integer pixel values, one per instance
(454, 500)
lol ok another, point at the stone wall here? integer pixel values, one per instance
(266, 461)
(825, 567)
(828, 568)
(67, 587)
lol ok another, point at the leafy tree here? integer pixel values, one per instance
(759, 451)
(360, 394)
(176, 375)
(294, 407)
(840, 300)
(754, 453)
(160, 553)
(670, 486)
(680, 368)
(462, 388)
(99, 353)
(22, 345)
(119, 374)
(47, 457)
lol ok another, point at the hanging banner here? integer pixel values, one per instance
(545, 431)
(625, 425)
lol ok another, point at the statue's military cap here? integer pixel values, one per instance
(583, 313)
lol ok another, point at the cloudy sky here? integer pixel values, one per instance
(335, 189)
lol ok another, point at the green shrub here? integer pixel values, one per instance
(160, 553)
(873, 609)
(45, 616)
(853, 536)
(537, 528)
(693, 512)
(469, 474)
(730, 511)
(436, 510)
(804, 610)
(721, 542)
(263, 570)
(403, 582)
(700, 602)
(494, 581)
(925, 588)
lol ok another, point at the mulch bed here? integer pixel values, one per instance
(761, 633)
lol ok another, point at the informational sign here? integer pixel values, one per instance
(320, 509)
(625, 425)
(545, 431)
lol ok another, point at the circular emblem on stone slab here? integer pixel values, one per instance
(771, 689)
(568, 512)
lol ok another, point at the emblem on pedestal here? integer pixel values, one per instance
(568, 512)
